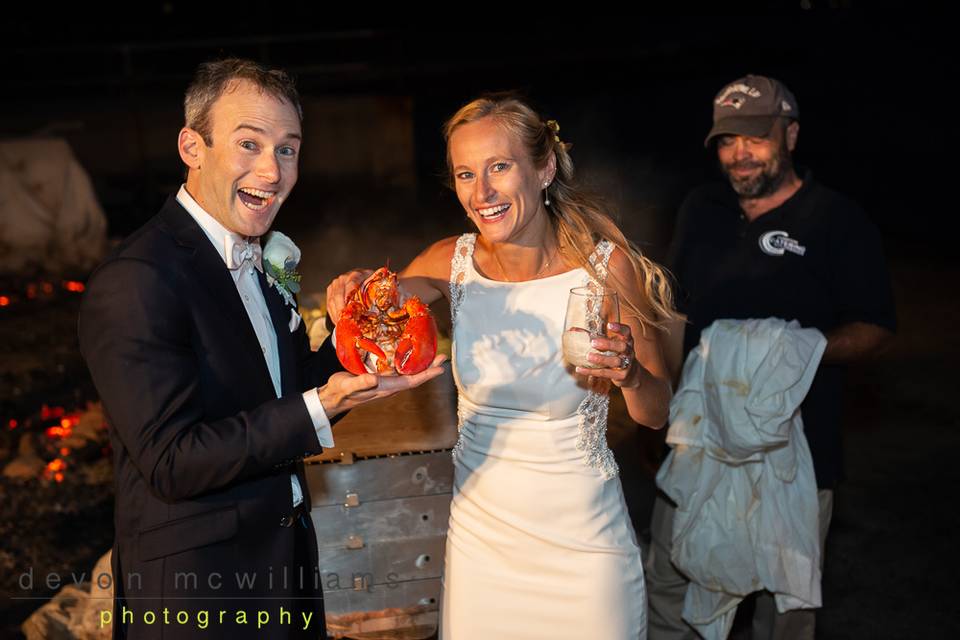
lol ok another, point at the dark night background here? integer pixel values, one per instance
(877, 123)
(873, 90)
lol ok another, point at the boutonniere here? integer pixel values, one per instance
(280, 259)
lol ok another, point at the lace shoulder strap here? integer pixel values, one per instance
(599, 260)
(461, 261)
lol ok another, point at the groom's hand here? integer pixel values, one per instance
(340, 288)
(344, 391)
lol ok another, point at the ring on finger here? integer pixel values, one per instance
(625, 361)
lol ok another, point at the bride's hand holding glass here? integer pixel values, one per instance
(595, 342)
(613, 357)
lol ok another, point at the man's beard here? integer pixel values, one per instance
(764, 183)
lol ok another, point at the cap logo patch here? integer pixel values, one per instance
(785, 106)
(736, 102)
(724, 99)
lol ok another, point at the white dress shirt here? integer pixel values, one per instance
(253, 301)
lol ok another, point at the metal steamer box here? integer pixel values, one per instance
(380, 506)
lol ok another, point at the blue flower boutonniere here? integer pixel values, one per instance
(280, 259)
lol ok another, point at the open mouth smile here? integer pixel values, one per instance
(494, 213)
(255, 199)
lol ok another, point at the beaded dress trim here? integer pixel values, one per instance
(593, 411)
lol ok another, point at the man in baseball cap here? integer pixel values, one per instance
(769, 241)
(755, 130)
(751, 106)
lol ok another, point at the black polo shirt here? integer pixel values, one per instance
(816, 259)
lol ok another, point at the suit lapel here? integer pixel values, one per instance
(280, 314)
(209, 270)
(289, 376)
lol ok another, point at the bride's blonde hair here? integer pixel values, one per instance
(577, 217)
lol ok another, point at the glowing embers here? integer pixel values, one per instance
(54, 440)
(66, 426)
(40, 290)
(54, 470)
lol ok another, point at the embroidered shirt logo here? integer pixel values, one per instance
(775, 243)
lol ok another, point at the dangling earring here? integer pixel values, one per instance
(546, 194)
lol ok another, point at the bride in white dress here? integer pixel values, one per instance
(540, 544)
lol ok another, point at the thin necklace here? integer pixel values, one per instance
(504, 273)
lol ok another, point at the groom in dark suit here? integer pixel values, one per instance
(210, 387)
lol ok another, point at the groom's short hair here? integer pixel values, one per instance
(217, 77)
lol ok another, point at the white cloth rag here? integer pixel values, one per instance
(740, 471)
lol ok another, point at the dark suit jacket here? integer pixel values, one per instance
(203, 448)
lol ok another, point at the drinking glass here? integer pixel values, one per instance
(589, 309)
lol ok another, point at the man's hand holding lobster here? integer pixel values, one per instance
(345, 391)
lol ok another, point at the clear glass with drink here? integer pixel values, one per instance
(589, 309)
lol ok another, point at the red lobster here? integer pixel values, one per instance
(375, 327)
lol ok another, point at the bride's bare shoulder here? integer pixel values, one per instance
(429, 273)
(434, 261)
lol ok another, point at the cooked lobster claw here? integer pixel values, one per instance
(376, 334)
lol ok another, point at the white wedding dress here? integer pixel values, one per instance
(540, 544)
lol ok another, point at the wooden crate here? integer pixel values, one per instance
(381, 501)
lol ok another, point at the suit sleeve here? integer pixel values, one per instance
(137, 338)
(316, 367)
